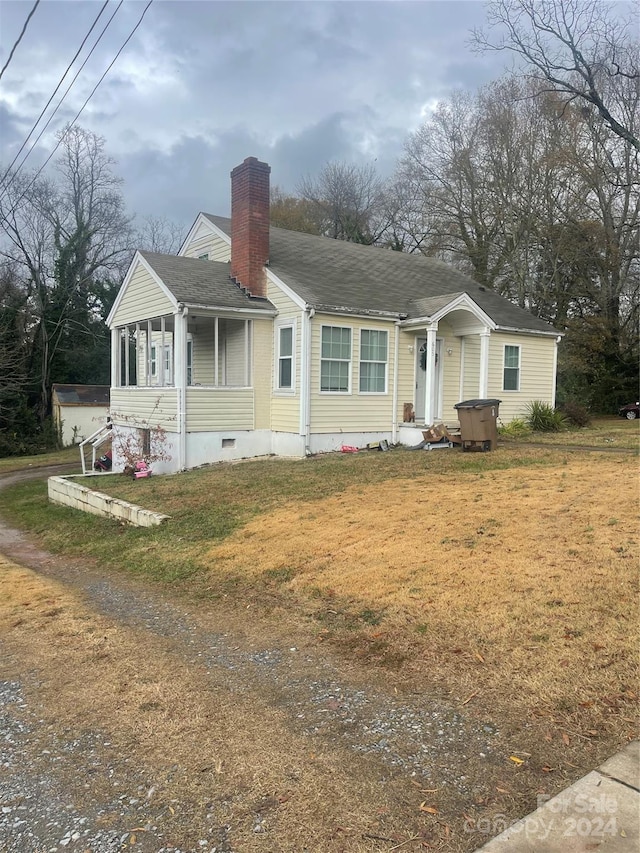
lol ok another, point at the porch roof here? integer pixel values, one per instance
(202, 283)
(352, 278)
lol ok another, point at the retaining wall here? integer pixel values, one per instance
(67, 492)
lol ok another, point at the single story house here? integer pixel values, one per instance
(79, 410)
(255, 340)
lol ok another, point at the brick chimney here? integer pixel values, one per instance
(250, 225)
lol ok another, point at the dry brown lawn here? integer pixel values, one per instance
(518, 587)
(203, 747)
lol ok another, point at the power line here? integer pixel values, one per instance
(19, 39)
(77, 115)
(69, 66)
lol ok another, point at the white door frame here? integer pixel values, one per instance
(428, 384)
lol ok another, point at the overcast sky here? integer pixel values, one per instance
(202, 85)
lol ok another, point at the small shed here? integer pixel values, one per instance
(79, 410)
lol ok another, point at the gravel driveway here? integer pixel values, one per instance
(62, 789)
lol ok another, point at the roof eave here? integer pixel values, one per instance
(355, 312)
(551, 333)
(225, 309)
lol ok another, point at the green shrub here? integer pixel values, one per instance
(517, 428)
(576, 414)
(541, 417)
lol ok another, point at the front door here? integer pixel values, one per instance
(421, 370)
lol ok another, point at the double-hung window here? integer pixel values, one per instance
(285, 358)
(511, 374)
(373, 361)
(335, 360)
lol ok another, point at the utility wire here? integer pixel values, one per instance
(69, 66)
(77, 115)
(19, 39)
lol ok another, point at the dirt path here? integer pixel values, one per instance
(131, 721)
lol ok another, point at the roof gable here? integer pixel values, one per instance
(130, 281)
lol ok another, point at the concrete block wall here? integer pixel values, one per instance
(67, 492)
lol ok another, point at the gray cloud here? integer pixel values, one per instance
(204, 84)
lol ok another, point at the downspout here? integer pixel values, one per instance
(555, 371)
(396, 353)
(181, 382)
(305, 395)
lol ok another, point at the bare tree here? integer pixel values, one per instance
(65, 237)
(347, 202)
(159, 234)
(573, 45)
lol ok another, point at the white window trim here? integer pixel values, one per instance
(285, 324)
(349, 391)
(504, 367)
(189, 361)
(362, 361)
(153, 361)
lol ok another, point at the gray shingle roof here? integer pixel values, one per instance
(199, 282)
(88, 395)
(361, 279)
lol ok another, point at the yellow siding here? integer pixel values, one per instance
(450, 370)
(145, 407)
(213, 409)
(142, 300)
(202, 336)
(536, 372)
(285, 407)
(406, 371)
(354, 412)
(262, 350)
(471, 386)
(206, 242)
(233, 350)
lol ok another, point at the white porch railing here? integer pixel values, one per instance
(96, 439)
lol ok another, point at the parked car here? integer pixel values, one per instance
(630, 411)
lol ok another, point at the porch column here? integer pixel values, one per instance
(429, 378)
(180, 367)
(116, 347)
(483, 389)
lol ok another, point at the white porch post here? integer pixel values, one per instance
(116, 349)
(554, 380)
(483, 389)
(180, 334)
(429, 377)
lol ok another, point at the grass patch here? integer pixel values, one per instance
(70, 455)
(494, 575)
(602, 432)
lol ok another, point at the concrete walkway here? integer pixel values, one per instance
(601, 811)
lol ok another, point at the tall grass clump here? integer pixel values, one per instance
(541, 417)
(576, 414)
(517, 428)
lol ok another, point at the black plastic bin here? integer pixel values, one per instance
(478, 424)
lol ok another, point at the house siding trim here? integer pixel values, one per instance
(138, 259)
(293, 296)
(201, 219)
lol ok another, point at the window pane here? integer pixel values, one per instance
(373, 345)
(372, 377)
(334, 376)
(511, 356)
(336, 342)
(286, 341)
(510, 379)
(284, 380)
